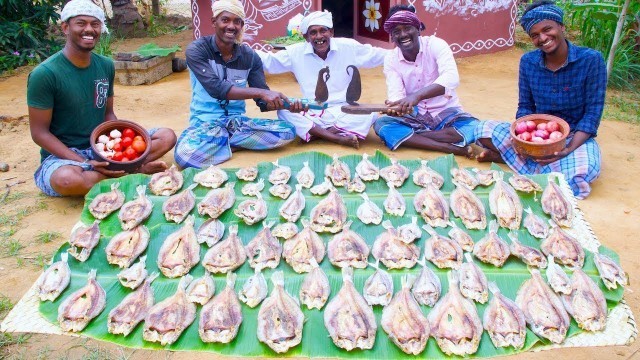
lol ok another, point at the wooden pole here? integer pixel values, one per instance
(616, 37)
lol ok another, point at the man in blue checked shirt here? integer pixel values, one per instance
(561, 79)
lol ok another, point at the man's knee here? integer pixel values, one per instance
(68, 181)
(165, 138)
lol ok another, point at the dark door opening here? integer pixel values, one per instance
(342, 12)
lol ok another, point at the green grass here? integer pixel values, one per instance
(12, 247)
(5, 306)
(7, 339)
(45, 237)
(622, 106)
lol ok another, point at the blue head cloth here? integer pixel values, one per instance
(540, 13)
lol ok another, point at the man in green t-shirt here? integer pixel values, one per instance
(69, 95)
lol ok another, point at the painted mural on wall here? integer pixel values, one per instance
(372, 14)
(466, 8)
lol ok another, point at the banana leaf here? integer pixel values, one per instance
(316, 341)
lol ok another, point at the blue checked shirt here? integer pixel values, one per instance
(575, 92)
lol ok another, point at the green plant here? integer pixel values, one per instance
(157, 26)
(48, 236)
(24, 36)
(106, 45)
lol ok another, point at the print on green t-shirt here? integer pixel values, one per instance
(77, 96)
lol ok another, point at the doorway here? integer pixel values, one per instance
(342, 12)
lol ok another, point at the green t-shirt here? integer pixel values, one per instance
(78, 96)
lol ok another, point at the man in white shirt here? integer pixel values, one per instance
(305, 61)
(422, 76)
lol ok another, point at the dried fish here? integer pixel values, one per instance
(254, 289)
(252, 210)
(178, 206)
(556, 204)
(248, 173)
(79, 308)
(299, 250)
(610, 272)
(504, 321)
(227, 255)
(368, 212)
(557, 278)
(524, 184)
(167, 182)
(461, 237)
(378, 288)
(167, 319)
(367, 170)
(431, 205)
(264, 250)
(133, 276)
(338, 172)
(348, 248)
(586, 303)
(463, 176)
(535, 225)
(212, 177)
(356, 185)
(134, 212)
(280, 190)
(285, 231)
(305, 176)
(392, 251)
(529, 255)
(280, 318)
(253, 188)
(473, 282)
(454, 322)
(293, 207)
(442, 251)
(485, 177)
(542, 309)
(395, 173)
(491, 249)
(54, 280)
(404, 322)
(411, 231)
(201, 289)
(210, 232)
(217, 201)
(132, 309)
(126, 246)
(83, 240)
(427, 288)
(280, 174)
(315, 288)
(322, 188)
(565, 248)
(104, 204)
(348, 317)
(330, 214)
(466, 205)
(505, 204)
(394, 204)
(221, 317)
(180, 251)
(426, 175)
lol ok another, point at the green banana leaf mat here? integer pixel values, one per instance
(315, 341)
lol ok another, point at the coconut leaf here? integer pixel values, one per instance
(315, 342)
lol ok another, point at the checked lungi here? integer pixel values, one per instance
(580, 168)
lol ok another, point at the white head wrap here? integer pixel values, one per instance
(233, 6)
(83, 7)
(323, 18)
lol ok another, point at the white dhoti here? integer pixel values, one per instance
(332, 117)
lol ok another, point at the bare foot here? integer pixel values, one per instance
(488, 155)
(153, 167)
(470, 153)
(349, 140)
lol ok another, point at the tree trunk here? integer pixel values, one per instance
(616, 37)
(155, 7)
(126, 18)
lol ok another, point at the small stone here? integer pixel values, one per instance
(4, 167)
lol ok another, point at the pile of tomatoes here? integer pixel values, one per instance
(543, 132)
(125, 145)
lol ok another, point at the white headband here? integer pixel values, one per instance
(83, 7)
(322, 18)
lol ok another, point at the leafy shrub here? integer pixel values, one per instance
(23, 31)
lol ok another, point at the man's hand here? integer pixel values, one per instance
(297, 106)
(403, 106)
(556, 156)
(100, 166)
(274, 99)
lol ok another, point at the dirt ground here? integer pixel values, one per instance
(488, 90)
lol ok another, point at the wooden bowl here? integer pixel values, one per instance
(539, 150)
(104, 129)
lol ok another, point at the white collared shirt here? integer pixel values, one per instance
(305, 64)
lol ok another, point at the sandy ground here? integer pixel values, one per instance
(488, 90)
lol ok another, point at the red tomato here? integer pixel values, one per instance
(125, 159)
(127, 132)
(139, 146)
(138, 138)
(117, 147)
(126, 142)
(117, 156)
(130, 153)
(552, 126)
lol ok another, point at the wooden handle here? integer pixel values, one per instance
(364, 108)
